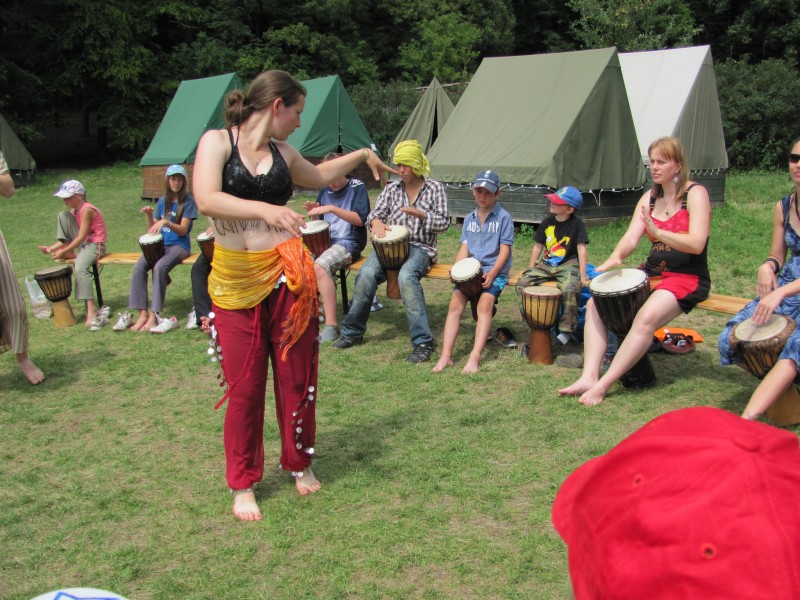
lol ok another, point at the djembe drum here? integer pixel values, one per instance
(539, 307)
(618, 295)
(316, 236)
(760, 346)
(152, 245)
(56, 284)
(205, 241)
(392, 251)
(467, 275)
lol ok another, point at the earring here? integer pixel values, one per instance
(677, 177)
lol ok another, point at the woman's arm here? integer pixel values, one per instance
(694, 241)
(628, 242)
(212, 153)
(318, 176)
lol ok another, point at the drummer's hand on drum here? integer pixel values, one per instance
(488, 280)
(766, 306)
(283, 217)
(379, 228)
(147, 210)
(45, 249)
(320, 210)
(414, 212)
(57, 254)
(611, 262)
(309, 206)
(156, 228)
(766, 280)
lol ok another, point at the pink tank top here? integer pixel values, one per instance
(97, 230)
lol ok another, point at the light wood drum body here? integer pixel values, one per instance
(392, 251)
(56, 284)
(539, 307)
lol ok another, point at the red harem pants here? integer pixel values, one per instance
(247, 337)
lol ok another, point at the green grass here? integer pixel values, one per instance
(435, 486)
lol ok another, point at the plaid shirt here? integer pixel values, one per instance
(431, 199)
(3, 165)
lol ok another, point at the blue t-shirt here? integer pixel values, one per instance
(483, 242)
(353, 197)
(189, 212)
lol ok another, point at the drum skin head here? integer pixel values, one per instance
(747, 331)
(541, 290)
(465, 269)
(397, 232)
(53, 272)
(150, 238)
(618, 280)
(314, 227)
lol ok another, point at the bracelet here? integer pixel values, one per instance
(364, 154)
(774, 261)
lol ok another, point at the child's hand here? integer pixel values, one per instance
(585, 281)
(488, 280)
(147, 210)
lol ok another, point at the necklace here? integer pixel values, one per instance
(669, 206)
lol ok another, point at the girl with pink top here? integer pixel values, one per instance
(81, 234)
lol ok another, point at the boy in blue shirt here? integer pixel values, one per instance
(487, 235)
(344, 205)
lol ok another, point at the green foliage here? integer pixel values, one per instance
(632, 25)
(384, 108)
(758, 111)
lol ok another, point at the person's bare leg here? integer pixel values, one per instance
(451, 325)
(31, 371)
(245, 506)
(307, 483)
(327, 289)
(91, 311)
(777, 381)
(661, 307)
(152, 321)
(482, 328)
(141, 321)
(595, 342)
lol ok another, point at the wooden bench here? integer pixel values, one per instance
(714, 302)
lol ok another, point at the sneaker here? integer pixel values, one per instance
(164, 325)
(329, 334)
(125, 320)
(105, 310)
(191, 320)
(98, 322)
(344, 342)
(376, 306)
(422, 353)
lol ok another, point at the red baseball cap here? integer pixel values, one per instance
(697, 503)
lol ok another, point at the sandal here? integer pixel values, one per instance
(678, 343)
(506, 337)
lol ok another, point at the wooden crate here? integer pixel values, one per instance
(153, 180)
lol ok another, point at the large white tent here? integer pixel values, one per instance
(674, 92)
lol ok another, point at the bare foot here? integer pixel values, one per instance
(578, 388)
(442, 364)
(140, 323)
(592, 396)
(471, 367)
(32, 372)
(307, 483)
(244, 505)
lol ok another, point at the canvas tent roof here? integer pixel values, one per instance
(547, 119)
(195, 108)
(674, 92)
(427, 119)
(329, 122)
(14, 151)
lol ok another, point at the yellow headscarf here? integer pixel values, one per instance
(410, 153)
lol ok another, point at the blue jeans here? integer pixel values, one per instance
(371, 275)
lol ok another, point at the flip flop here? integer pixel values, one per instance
(506, 337)
(678, 343)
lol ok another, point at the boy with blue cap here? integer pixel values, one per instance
(487, 235)
(559, 254)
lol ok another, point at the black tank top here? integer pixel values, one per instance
(274, 187)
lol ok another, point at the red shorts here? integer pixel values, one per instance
(688, 289)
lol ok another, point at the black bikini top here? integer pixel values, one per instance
(274, 187)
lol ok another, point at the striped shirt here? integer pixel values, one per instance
(432, 200)
(3, 164)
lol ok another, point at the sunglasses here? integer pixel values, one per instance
(794, 158)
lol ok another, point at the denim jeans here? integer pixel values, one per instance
(371, 275)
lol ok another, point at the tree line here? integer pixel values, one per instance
(119, 62)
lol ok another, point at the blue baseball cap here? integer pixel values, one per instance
(567, 195)
(487, 179)
(176, 170)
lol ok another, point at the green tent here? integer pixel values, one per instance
(542, 122)
(674, 92)
(330, 122)
(14, 151)
(427, 119)
(195, 108)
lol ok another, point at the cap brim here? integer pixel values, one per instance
(556, 199)
(60, 194)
